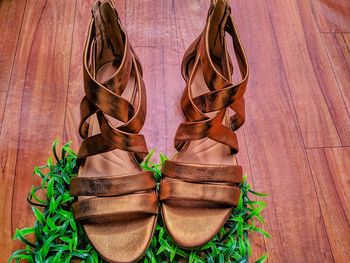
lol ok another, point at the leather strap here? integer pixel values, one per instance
(119, 196)
(116, 206)
(112, 185)
(105, 99)
(209, 183)
(222, 94)
(229, 174)
(214, 193)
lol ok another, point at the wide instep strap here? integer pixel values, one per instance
(104, 97)
(201, 173)
(219, 194)
(112, 185)
(222, 93)
(116, 206)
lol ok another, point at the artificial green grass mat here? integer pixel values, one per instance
(56, 237)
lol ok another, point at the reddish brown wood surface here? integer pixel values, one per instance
(330, 173)
(294, 144)
(10, 11)
(332, 15)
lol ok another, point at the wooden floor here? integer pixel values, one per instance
(295, 144)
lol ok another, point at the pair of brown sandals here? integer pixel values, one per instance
(117, 202)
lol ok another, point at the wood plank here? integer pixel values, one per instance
(173, 86)
(339, 165)
(339, 55)
(10, 11)
(3, 97)
(257, 240)
(166, 28)
(310, 76)
(190, 19)
(326, 77)
(36, 106)
(275, 147)
(344, 42)
(154, 129)
(151, 23)
(332, 15)
(76, 89)
(347, 40)
(329, 193)
(9, 137)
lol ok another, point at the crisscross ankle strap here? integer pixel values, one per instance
(108, 43)
(223, 93)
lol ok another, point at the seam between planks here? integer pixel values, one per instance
(347, 46)
(20, 117)
(15, 53)
(285, 74)
(333, 184)
(313, 66)
(298, 124)
(335, 75)
(14, 56)
(326, 147)
(253, 182)
(273, 201)
(69, 74)
(339, 200)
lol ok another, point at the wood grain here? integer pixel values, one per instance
(339, 165)
(190, 20)
(275, 147)
(339, 55)
(293, 145)
(151, 22)
(310, 77)
(257, 241)
(35, 108)
(76, 88)
(152, 61)
(347, 41)
(330, 173)
(3, 97)
(325, 75)
(44, 98)
(332, 15)
(173, 86)
(9, 11)
(10, 131)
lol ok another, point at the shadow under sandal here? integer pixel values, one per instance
(116, 199)
(200, 184)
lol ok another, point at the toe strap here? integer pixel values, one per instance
(225, 195)
(112, 185)
(199, 173)
(104, 207)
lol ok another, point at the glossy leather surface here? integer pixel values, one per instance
(200, 184)
(116, 199)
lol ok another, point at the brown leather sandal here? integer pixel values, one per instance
(116, 199)
(200, 184)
